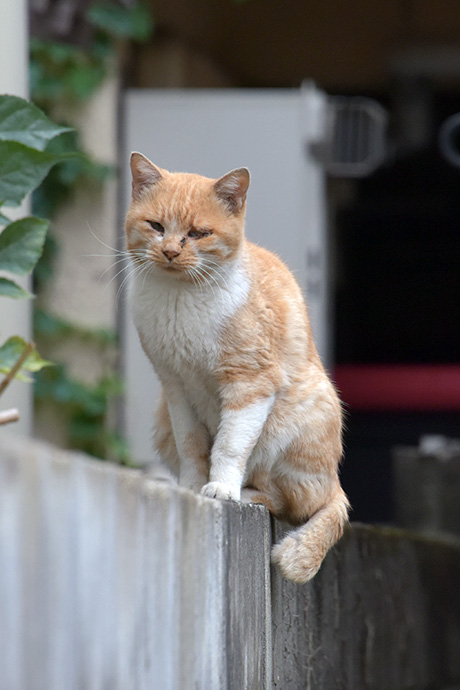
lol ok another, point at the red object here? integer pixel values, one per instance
(399, 387)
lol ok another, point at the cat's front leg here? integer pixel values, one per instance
(191, 438)
(238, 433)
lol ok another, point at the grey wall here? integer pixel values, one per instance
(427, 486)
(110, 581)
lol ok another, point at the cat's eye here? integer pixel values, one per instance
(198, 234)
(156, 226)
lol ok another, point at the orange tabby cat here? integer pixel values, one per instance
(247, 411)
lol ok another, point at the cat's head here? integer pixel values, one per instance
(187, 226)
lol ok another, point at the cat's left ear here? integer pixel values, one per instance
(232, 189)
(145, 174)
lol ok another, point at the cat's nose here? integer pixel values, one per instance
(170, 254)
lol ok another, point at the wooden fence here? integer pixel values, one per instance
(110, 581)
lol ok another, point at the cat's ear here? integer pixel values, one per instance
(232, 189)
(144, 173)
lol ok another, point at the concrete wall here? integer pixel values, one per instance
(427, 486)
(111, 581)
(383, 614)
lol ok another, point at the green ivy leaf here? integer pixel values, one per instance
(57, 385)
(84, 428)
(50, 326)
(22, 169)
(21, 244)
(53, 51)
(61, 72)
(24, 123)
(82, 80)
(44, 267)
(10, 353)
(8, 288)
(59, 185)
(123, 22)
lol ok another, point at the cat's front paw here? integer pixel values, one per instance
(223, 491)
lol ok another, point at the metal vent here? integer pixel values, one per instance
(355, 137)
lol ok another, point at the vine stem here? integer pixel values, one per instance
(8, 416)
(16, 366)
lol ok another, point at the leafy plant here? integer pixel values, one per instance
(134, 22)
(62, 74)
(48, 325)
(59, 71)
(59, 184)
(25, 133)
(85, 407)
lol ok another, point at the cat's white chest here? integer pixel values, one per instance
(177, 330)
(180, 324)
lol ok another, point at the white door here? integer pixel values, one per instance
(211, 132)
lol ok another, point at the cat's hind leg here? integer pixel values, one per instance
(260, 489)
(255, 496)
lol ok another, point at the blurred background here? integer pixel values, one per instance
(383, 160)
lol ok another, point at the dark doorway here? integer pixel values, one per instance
(398, 303)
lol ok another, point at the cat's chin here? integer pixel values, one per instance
(174, 272)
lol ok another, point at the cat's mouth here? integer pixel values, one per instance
(177, 269)
(171, 267)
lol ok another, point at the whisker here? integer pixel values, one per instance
(207, 259)
(110, 267)
(123, 259)
(205, 278)
(139, 255)
(213, 262)
(219, 272)
(198, 276)
(216, 269)
(189, 272)
(114, 277)
(210, 275)
(214, 266)
(149, 267)
(125, 280)
(195, 277)
(115, 252)
(98, 239)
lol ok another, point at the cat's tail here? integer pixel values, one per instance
(300, 554)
